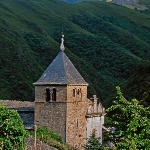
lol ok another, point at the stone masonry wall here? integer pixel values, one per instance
(52, 115)
(95, 118)
(95, 123)
(16, 104)
(76, 111)
(40, 93)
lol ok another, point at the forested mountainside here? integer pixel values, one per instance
(107, 43)
(138, 85)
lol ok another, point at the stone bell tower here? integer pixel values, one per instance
(61, 100)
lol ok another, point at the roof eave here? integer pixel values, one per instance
(81, 84)
(76, 84)
(49, 84)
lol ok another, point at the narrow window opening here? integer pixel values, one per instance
(77, 123)
(47, 94)
(78, 91)
(73, 92)
(54, 94)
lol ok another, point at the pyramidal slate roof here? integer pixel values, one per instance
(61, 72)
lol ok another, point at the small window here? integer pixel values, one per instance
(54, 94)
(78, 91)
(74, 92)
(77, 123)
(47, 94)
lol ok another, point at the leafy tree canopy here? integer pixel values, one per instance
(131, 122)
(12, 131)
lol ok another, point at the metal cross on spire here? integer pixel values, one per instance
(62, 47)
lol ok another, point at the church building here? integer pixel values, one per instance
(62, 105)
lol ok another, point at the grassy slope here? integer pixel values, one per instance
(110, 41)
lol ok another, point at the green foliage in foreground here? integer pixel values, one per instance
(45, 132)
(93, 143)
(51, 138)
(131, 122)
(12, 131)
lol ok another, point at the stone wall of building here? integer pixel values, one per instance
(94, 124)
(40, 93)
(17, 104)
(52, 115)
(95, 118)
(77, 105)
(76, 93)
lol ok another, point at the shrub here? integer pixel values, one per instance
(51, 138)
(12, 131)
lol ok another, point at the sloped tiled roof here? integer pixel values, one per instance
(61, 71)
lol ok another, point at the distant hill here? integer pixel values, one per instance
(133, 4)
(139, 4)
(106, 43)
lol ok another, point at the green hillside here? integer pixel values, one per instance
(105, 42)
(138, 85)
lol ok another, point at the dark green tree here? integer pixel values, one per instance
(131, 121)
(93, 143)
(12, 131)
